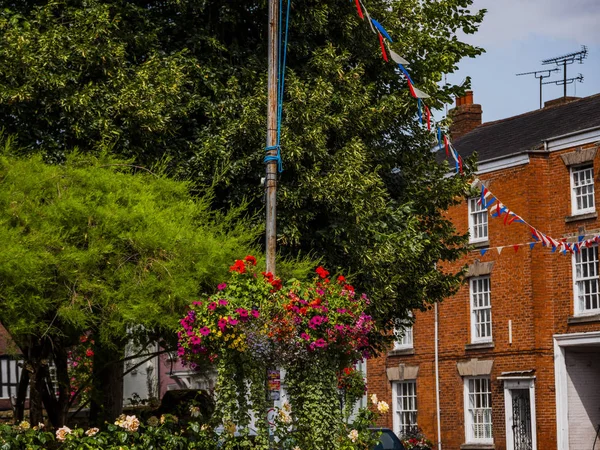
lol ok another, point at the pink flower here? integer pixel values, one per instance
(242, 312)
(180, 351)
(222, 324)
(195, 340)
(255, 313)
(197, 303)
(212, 306)
(221, 286)
(305, 336)
(232, 321)
(204, 331)
(342, 310)
(320, 343)
(223, 302)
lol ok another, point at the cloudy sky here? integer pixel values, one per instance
(517, 36)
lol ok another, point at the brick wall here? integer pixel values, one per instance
(532, 288)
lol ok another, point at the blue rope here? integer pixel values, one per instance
(280, 85)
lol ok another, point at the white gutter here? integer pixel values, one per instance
(437, 380)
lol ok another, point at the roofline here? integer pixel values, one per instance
(572, 133)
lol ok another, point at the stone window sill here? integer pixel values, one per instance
(480, 244)
(583, 319)
(477, 447)
(402, 352)
(586, 216)
(479, 346)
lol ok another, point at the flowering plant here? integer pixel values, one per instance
(228, 320)
(413, 439)
(255, 321)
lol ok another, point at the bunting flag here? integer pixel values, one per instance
(499, 249)
(419, 106)
(382, 45)
(359, 10)
(397, 58)
(381, 30)
(428, 115)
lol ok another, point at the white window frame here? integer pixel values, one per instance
(580, 169)
(411, 399)
(475, 311)
(10, 374)
(470, 437)
(406, 328)
(476, 209)
(594, 283)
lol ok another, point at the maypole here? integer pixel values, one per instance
(272, 157)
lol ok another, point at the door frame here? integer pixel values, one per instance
(511, 383)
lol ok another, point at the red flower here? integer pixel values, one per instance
(322, 272)
(83, 338)
(251, 259)
(277, 285)
(268, 276)
(239, 266)
(341, 279)
(89, 352)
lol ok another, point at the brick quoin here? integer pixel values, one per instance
(533, 288)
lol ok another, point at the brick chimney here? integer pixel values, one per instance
(466, 116)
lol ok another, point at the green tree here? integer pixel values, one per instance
(97, 245)
(186, 79)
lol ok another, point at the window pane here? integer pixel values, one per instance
(406, 406)
(479, 413)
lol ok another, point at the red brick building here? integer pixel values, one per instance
(518, 351)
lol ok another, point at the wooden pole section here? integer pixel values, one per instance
(271, 175)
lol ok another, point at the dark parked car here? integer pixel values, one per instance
(387, 440)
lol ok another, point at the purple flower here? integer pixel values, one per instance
(223, 302)
(212, 306)
(204, 331)
(221, 286)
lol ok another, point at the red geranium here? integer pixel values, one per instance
(341, 279)
(250, 259)
(277, 285)
(322, 272)
(239, 266)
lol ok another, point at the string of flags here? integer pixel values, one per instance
(497, 209)
(385, 42)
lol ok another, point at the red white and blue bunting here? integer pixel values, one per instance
(497, 209)
(385, 42)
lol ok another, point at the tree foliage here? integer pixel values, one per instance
(186, 80)
(91, 246)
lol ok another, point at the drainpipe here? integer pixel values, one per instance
(437, 380)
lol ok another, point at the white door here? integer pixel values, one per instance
(519, 410)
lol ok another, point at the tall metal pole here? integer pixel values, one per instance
(541, 78)
(271, 175)
(565, 78)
